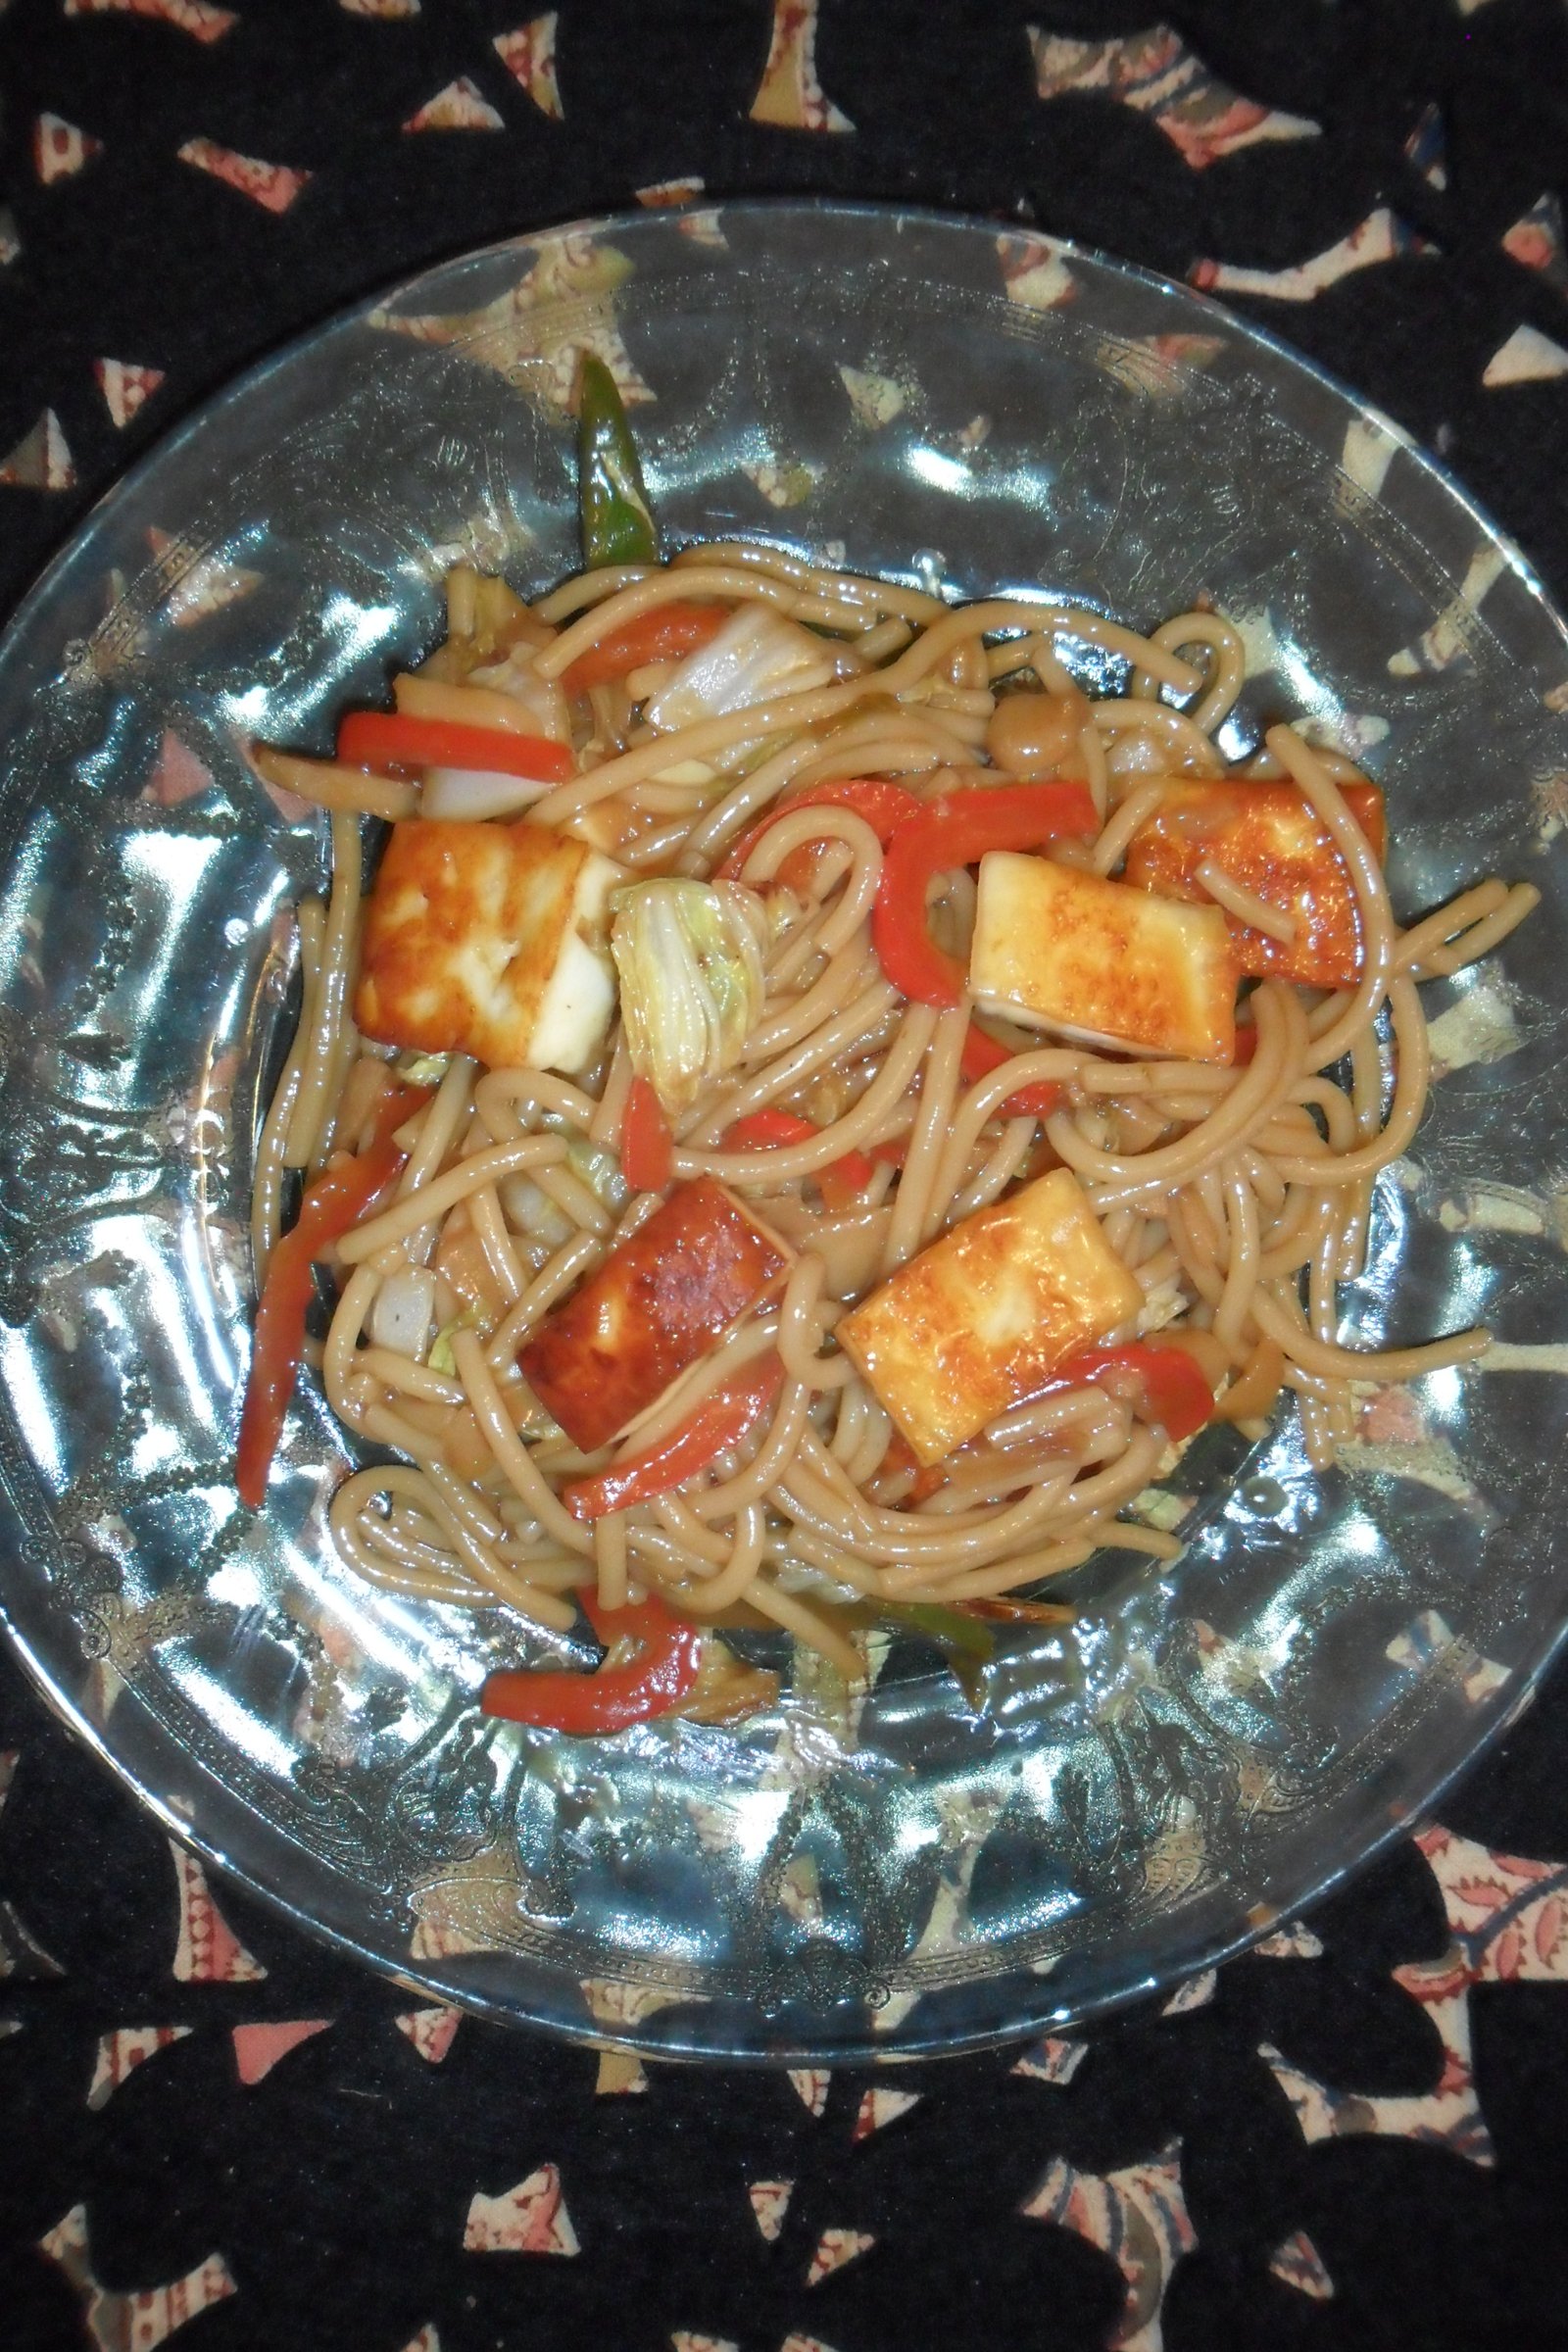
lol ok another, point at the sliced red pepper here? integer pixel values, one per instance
(983, 1053)
(338, 1199)
(389, 739)
(1165, 1385)
(883, 804)
(1245, 1042)
(646, 1146)
(665, 634)
(585, 1705)
(957, 829)
(722, 1418)
(839, 1183)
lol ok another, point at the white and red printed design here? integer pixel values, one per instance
(1055, 2059)
(461, 105)
(1381, 237)
(209, 1951)
(40, 460)
(804, 2343)
(10, 242)
(177, 775)
(687, 2339)
(833, 2249)
(201, 21)
(1451, 638)
(60, 149)
(274, 186)
(427, 2340)
(879, 2108)
(535, 334)
(1508, 1916)
(530, 2219)
(1139, 2217)
(810, 2087)
(611, 2001)
(1527, 357)
(1293, 1942)
(430, 2031)
(662, 193)
(258, 2048)
(1297, 2262)
(1033, 270)
(790, 96)
(529, 56)
(1430, 1643)
(1426, 150)
(121, 2052)
(769, 2202)
(125, 387)
(389, 11)
(1535, 240)
(138, 2321)
(196, 586)
(621, 2074)
(1154, 73)
(1195, 1993)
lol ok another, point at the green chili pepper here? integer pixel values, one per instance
(616, 525)
(969, 1637)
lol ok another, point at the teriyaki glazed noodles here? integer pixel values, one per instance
(804, 1109)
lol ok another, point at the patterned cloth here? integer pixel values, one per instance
(217, 2129)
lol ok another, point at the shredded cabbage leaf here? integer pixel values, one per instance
(690, 959)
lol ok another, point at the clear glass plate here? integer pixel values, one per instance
(883, 1873)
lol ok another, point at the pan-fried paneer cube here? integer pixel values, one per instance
(1267, 839)
(985, 1317)
(1094, 960)
(662, 1298)
(489, 939)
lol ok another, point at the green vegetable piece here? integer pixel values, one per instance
(616, 525)
(970, 1636)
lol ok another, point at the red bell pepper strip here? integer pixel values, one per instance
(1245, 1042)
(1164, 1384)
(646, 1146)
(957, 829)
(838, 1183)
(586, 1705)
(387, 739)
(883, 804)
(982, 1054)
(338, 1199)
(720, 1420)
(665, 634)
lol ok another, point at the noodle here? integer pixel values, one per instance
(1238, 1197)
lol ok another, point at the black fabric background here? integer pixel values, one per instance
(336, 2187)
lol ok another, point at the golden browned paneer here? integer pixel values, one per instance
(488, 940)
(1058, 949)
(985, 1316)
(661, 1300)
(1268, 839)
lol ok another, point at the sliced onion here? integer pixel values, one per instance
(472, 793)
(403, 1312)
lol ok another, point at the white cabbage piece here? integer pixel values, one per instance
(755, 655)
(692, 984)
(402, 1313)
(472, 794)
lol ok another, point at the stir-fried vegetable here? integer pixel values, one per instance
(883, 806)
(840, 1184)
(753, 657)
(1164, 1384)
(982, 1054)
(646, 1146)
(957, 829)
(690, 959)
(666, 634)
(383, 739)
(721, 1420)
(338, 1199)
(616, 525)
(664, 1667)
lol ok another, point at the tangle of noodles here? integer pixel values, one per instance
(1238, 1196)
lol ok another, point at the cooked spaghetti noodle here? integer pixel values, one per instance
(1237, 1196)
